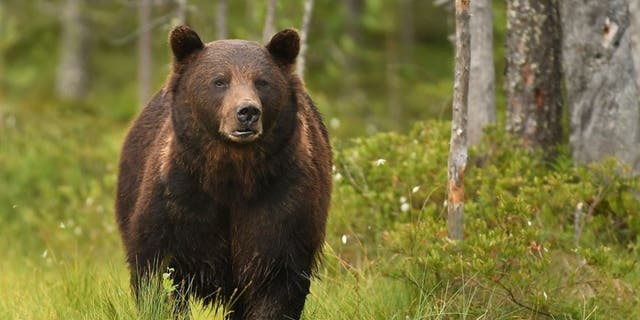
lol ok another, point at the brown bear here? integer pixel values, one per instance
(225, 177)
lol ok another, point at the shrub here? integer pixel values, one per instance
(544, 237)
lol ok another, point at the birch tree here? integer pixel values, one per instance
(221, 19)
(181, 11)
(482, 96)
(534, 77)
(304, 33)
(145, 59)
(269, 21)
(458, 146)
(72, 74)
(600, 81)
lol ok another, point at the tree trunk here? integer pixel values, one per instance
(600, 81)
(354, 14)
(482, 96)
(3, 34)
(304, 33)
(145, 58)
(181, 12)
(352, 62)
(634, 13)
(407, 28)
(221, 19)
(72, 74)
(392, 78)
(458, 145)
(534, 77)
(269, 21)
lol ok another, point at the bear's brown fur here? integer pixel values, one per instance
(226, 177)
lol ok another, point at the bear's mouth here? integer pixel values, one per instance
(244, 135)
(243, 132)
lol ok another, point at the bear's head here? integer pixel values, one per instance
(233, 90)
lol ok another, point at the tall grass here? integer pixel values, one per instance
(386, 257)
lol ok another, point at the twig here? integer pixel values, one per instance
(352, 181)
(596, 201)
(580, 217)
(520, 304)
(131, 36)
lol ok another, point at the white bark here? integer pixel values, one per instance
(482, 96)
(457, 163)
(600, 81)
(145, 58)
(304, 33)
(269, 21)
(181, 12)
(221, 19)
(72, 73)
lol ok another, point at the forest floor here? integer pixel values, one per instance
(544, 239)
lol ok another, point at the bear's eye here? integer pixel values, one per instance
(220, 83)
(262, 83)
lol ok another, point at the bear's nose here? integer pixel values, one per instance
(248, 114)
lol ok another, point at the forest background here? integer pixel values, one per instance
(545, 237)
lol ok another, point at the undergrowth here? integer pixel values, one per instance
(543, 238)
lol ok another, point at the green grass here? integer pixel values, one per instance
(387, 255)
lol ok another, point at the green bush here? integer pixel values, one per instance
(541, 237)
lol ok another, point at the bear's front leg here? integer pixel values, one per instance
(273, 255)
(280, 294)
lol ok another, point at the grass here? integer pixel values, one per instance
(386, 256)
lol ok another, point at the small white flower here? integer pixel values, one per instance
(337, 177)
(62, 226)
(405, 207)
(45, 253)
(403, 200)
(380, 162)
(15, 206)
(344, 239)
(11, 121)
(334, 123)
(415, 189)
(529, 223)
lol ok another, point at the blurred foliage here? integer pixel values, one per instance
(355, 63)
(542, 236)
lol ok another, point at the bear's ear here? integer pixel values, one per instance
(184, 42)
(284, 46)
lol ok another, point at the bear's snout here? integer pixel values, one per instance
(244, 122)
(248, 114)
(248, 126)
